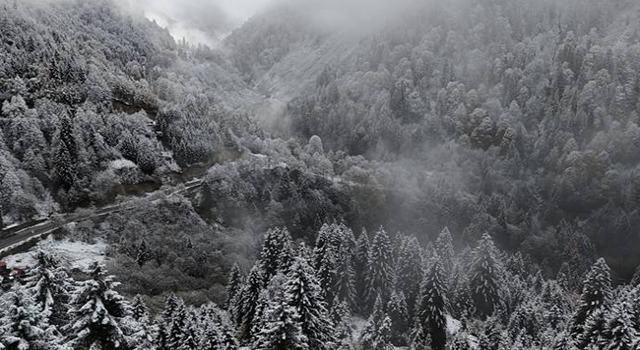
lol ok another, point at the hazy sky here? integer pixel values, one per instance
(209, 21)
(199, 21)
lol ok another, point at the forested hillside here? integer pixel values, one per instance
(421, 175)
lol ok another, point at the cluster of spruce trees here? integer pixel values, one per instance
(346, 293)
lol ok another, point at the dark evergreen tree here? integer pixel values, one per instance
(138, 308)
(277, 253)
(380, 272)
(399, 315)
(177, 330)
(444, 249)
(382, 340)
(432, 307)
(593, 330)
(279, 327)
(620, 332)
(248, 302)
(460, 342)
(51, 286)
(98, 313)
(486, 278)
(409, 272)
(361, 263)
(304, 295)
(596, 292)
(370, 330)
(23, 325)
(234, 287)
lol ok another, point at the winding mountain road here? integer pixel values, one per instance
(19, 235)
(22, 234)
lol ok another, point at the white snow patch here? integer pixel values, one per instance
(453, 325)
(122, 163)
(357, 326)
(72, 254)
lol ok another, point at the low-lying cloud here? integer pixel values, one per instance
(198, 21)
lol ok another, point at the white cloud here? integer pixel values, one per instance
(199, 21)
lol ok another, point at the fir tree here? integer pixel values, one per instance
(333, 263)
(380, 272)
(491, 335)
(460, 342)
(382, 340)
(51, 286)
(620, 332)
(304, 295)
(341, 316)
(97, 314)
(444, 249)
(408, 272)
(399, 315)
(177, 329)
(596, 292)
(138, 308)
(368, 335)
(593, 330)
(277, 253)
(485, 281)
(22, 325)
(361, 263)
(212, 338)
(279, 327)
(432, 306)
(234, 287)
(248, 302)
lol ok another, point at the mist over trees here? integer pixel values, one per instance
(333, 175)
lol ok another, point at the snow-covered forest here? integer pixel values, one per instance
(332, 175)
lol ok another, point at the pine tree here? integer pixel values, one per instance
(248, 302)
(65, 154)
(596, 292)
(212, 338)
(22, 325)
(461, 303)
(485, 281)
(177, 329)
(432, 306)
(460, 342)
(341, 316)
(51, 286)
(382, 340)
(333, 263)
(368, 335)
(138, 308)
(279, 327)
(190, 339)
(170, 307)
(234, 287)
(444, 249)
(361, 263)
(304, 295)
(408, 272)
(277, 253)
(491, 336)
(345, 273)
(145, 334)
(380, 272)
(399, 315)
(97, 313)
(620, 332)
(593, 331)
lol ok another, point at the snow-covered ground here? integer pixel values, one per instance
(72, 254)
